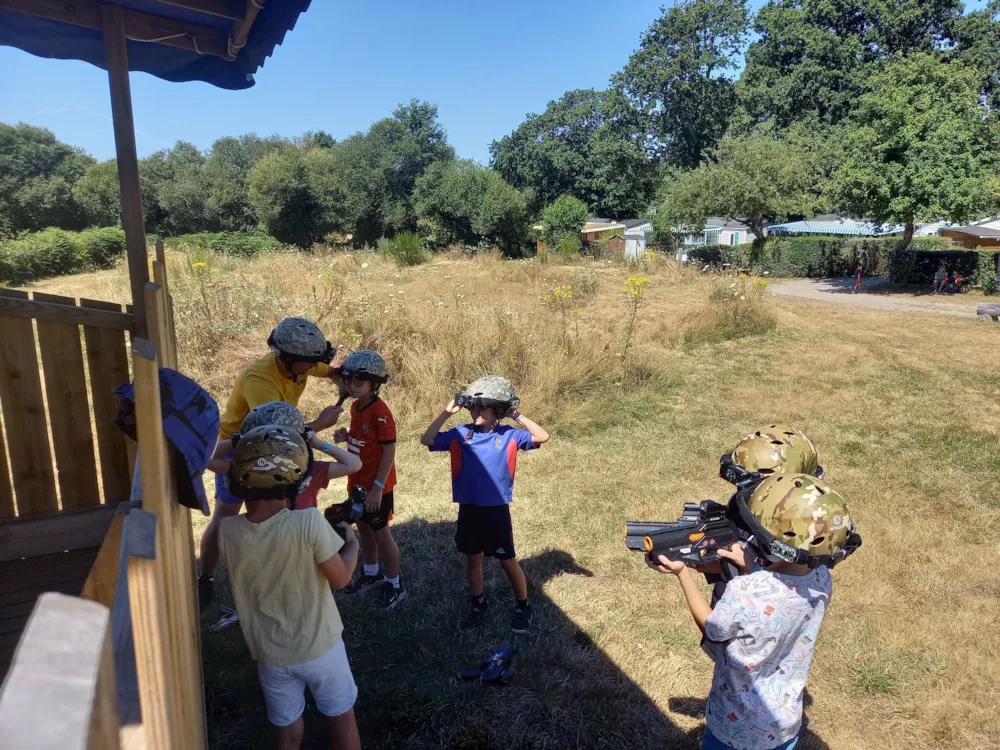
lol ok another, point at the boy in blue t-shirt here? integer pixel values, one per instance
(483, 462)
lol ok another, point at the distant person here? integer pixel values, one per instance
(281, 566)
(767, 621)
(299, 350)
(940, 279)
(955, 285)
(857, 279)
(483, 462)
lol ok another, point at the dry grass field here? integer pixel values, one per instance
(903, 408)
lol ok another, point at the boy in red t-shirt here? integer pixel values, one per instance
(373, 437)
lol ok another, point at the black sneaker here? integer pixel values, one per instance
(521, 623)
(476, 615)
(363, 582)
(389, 596)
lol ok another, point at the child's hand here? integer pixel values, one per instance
(734, 553)
(451, 408)
(666, 565)
(340, 435)
(374, 499)
(513, 413)
(327, 418)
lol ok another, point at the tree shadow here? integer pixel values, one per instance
(566, 693)
(878, 286)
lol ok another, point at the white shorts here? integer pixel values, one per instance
(329, 679)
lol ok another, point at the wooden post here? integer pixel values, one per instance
(113, 25)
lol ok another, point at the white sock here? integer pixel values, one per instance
(393, 581)
(371, 570)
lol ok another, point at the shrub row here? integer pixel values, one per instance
(227, 243)
(918, 267)
(56, 252)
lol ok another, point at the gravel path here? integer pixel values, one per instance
(876, 294)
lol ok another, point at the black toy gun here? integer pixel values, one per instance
(692, 539)
(348, 511)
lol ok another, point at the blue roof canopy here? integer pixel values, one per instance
(158, 25)
(836, 226)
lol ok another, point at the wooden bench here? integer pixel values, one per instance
(988, 311)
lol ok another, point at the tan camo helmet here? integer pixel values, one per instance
(365, 362)
(802, 512)
(274, 412)
(298, 337)
(270, 456)
(493, 388)
(777, 449)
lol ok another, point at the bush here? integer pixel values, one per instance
(405, 248)
(103, 245)
(986, 272)
(564, 218)
(918, 266)
(56, 252)
(228, 243)
(736, 308)
(570, 246)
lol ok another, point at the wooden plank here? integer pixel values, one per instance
(24, 417)
(7, 509)
(63, 659)
(38, 572)
(54, 532)
(156, 320)
(107, 363)
(69, 409)
(135, 25)
(160, 277)
(133, 737)
(113, 27)
(100, 584)
(988, 308)
(36, 309)
(241, 28)
(231, 9)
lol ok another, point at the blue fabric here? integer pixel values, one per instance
(222, 493)
(710, 742)
(190, 424)
(55, 39)
(483, 463)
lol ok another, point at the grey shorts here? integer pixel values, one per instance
(328, 678)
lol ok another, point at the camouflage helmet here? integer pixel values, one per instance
(493, 388)
(300, 339)
(777, 449)
(268, 457)
(364, 363)
(274, 412)
(802, 512)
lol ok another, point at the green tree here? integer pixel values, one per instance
(923, 149)
(756, 179)
(589, 144)
(37, 174)
(681, 77)
(226, 171)
(97, 194)
(283, 199)
(564, 219)
(977, 44)
(182, 194)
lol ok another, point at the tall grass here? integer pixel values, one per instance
(736, 308)
(406, 248)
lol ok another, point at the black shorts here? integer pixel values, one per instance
(485, 529)
(380, 518)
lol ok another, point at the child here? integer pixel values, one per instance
(372, 436)
(768, 620)
(299, 350)
(857, 279)
(281, 566)
(483, 461)
(940, 279)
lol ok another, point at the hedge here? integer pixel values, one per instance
(228, 243)
(56, 252)
(820, 256)
(918, 266)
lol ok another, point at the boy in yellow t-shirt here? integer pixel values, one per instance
(299, 350)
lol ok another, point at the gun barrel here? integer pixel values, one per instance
(642, 528)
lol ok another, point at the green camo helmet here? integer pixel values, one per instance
(777, 449)
(270, 456)
(274, 412)
(802, 512)
(365, 363)
(300, 339)
(493, 388)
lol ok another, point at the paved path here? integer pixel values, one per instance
(876, 294)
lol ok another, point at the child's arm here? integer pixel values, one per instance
(346, 462)
(374, 499)
(339, 568)
(219, 465)
(427, 439)
(223, 447)
(538, 435)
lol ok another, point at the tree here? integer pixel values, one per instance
(923, 149)
(282, 199)
(226, 171)
(681, 77)
(563, 219)
(977, 44)
(589, 144)
(37, 173)
(182, 194)
(755, 179)
(97, 194)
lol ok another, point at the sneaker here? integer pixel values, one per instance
(522, 620)
(389, 596)
(363, 582)
(476, 615)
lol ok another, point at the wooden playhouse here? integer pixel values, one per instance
(99, 629)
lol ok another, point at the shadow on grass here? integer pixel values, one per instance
(566, 693)
(880, 286)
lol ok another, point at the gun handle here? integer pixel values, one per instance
(729, 569)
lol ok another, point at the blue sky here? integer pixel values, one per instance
(346, 65)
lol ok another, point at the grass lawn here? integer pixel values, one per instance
(902, 407)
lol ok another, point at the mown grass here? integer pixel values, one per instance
(903, 408)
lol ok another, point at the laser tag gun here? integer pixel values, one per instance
(692, 539)
(348, 511)
(496, 668)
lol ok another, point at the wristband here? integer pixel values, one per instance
(520, 419)
(326, 446)
(380, 485)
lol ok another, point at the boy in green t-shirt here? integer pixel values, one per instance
(281, 566)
